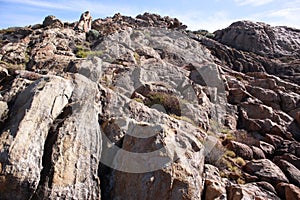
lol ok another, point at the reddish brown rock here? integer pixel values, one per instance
(241, 149)
(257, 153)
(266, 171)
(214, 187)
(288, 191)
(249, 191)
(294, 160)
(267, 148)
(291, 172)
(297, 118)
(257, 111)
(274, 140)
(292, 192)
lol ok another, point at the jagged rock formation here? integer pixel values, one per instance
(140, 108)
(85, 22)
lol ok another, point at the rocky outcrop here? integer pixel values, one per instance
(215, 187)
(85, 22)
(118, 22)
(266, 171)
(261, 38)
(140, 108)
(52, 22)
(250, 191)
(22, 163)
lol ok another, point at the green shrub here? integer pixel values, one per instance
(82, 52)
(240, 161)
(137, 58)
(168, 101)
(138, 100)
(229, 153)
(183, 118)
(204, 33)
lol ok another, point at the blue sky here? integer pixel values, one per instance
(209, 14)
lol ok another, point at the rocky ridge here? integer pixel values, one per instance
(141, 108)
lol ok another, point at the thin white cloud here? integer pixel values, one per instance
(97, 9)
(41, 4)
(252, 2)
(77, 6)
(200, 20)
(286, 15)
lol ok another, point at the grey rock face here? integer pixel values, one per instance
(261, 38)
(22, 142)
(126, 112)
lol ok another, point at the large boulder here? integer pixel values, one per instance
(241, 150)
(250, 191)
(214, 186)
(294, 160)
(22, 141)
(291, 172)
(151, 158)
(52, 22)
(85, 22)
(266, 170)
(267, 148)
(260, 38)
(74, 148)
(288, 191)
(257, 153)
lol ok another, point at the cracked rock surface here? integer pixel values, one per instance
(141, 108)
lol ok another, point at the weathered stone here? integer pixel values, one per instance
(214, 187)
(53, 22)
(249, 191)
(291, 172)
(3, 111)
(288, 191)
(297, 118)
(266, 186)
(54, 50)
(257, 111)
(257, 153)
(26, 133)
(241, 150)
(294, 160)
(274, 140)
(190, 163)
(292, 192)
(90, 68)
(267, 148)
(85, 22)
(289, 100)
(260, 38)
(269, 97)
(75, 153)
(292, 147)
(266, 171)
